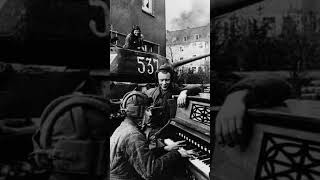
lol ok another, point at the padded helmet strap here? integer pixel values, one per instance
(79, 151)
(134, 110)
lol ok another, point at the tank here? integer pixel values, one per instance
(54, 32)
(134, 66)
(47, 48)
(220, 7)
(138, 66)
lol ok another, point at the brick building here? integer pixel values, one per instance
(189, 43)
(278, 14)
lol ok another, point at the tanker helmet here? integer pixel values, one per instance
(134, 103)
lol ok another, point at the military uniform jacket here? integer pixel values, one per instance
(160, 98)
(131, 158)
(132, 42)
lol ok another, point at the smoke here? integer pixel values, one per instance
(198, 15)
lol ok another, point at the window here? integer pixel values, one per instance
(194, 55)
(185, 38)
(288, 25)
(147, 6)
(174, 39)
(225, 29)
(197, 36)
(270, 22)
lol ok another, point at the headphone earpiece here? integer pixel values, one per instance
(134, 110)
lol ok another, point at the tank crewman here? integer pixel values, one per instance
(130, 156)
(160, 96)
(134, 39)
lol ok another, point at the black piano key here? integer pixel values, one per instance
(192, 143)
(201, 153)
(204, 157)
(175, 138)
(206, 161)
(188, 147)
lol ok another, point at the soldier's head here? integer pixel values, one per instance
(164, 76)
(135, 104)
(136, 31)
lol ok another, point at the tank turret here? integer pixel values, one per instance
(54, 32)
(186, 61)
(140, 67)
(219, 7)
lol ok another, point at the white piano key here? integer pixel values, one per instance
(196, 162)
(202, 166)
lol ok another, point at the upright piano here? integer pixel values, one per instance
(192, 124)
(281, 143)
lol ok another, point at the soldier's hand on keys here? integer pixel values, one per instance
(175, 145)
(187, 153)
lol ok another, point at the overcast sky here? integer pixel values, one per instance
(181, 14)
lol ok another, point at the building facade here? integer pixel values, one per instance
(148, 14)
(280, 15)
(188, 43)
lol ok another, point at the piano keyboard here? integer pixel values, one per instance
(202, 161)
(192, 124)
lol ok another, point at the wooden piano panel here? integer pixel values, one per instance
(194, 120)
(282, 146)
(235, 164)
(196, 116)
(193, 104)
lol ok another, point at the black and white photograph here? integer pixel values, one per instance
(265, 81)
(160, 89)
(126, 89)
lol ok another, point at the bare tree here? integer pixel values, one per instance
(170, 52)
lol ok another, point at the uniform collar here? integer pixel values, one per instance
(131, 123)
(162, 92)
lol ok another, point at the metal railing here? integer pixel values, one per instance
(149, 45)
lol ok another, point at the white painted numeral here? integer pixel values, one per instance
(143, 69)
(150, 71)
